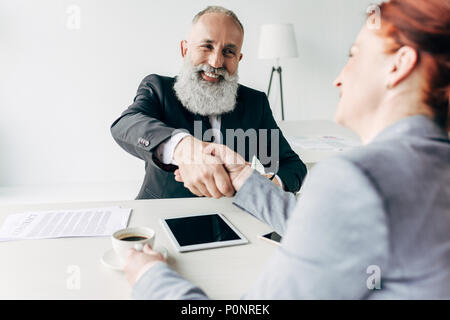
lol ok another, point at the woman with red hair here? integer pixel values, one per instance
(372, 223)
(402, 69)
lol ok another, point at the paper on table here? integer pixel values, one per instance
(64, 223)
(323, 143)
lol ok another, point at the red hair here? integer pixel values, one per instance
(424, 25)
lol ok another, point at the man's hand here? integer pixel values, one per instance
(138, 262)
(274, 180)
(202, 173)
(238, 169)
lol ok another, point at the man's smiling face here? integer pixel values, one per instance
(216, 41)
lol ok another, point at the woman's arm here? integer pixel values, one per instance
(267, 202)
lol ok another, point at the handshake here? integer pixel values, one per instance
(209, 169)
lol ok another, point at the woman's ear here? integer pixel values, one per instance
(405, 60)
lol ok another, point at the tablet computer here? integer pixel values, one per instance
(204, 231)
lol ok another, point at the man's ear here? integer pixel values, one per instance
(405, 61)
(183, 47)
(240, 57)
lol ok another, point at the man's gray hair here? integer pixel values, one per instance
(218, 9)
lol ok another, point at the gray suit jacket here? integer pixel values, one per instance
(382, 209)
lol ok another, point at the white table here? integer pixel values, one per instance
(45, 269)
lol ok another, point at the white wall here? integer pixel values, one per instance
(60, 89)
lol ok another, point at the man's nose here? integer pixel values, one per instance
(216, 60)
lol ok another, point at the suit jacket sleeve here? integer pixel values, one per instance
(269, 204)
(290, 168)
(161, 282)
(139, 130)
(336, 236)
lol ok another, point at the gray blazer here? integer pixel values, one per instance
(379, 210)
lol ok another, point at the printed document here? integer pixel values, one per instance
(92, 222)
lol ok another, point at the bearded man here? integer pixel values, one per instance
(172, 120)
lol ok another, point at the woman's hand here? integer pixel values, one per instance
(138, 262)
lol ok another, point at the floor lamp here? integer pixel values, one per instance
(277, 41)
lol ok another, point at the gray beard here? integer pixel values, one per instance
(202, 97)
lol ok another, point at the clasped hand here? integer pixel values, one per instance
(209, 169)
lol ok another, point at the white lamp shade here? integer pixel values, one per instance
(277, 41)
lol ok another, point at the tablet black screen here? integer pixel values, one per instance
(200, 229)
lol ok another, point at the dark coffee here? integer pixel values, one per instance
(133, 238)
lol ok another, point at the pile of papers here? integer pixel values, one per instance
(323, 143)
(64, 223)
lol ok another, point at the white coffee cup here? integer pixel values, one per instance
(121, 246)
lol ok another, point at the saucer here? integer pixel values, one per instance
(111, 260)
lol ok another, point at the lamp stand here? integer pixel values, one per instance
(278, 70)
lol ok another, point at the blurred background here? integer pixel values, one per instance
(69, 68)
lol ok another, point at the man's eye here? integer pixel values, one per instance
(207, 46)
(229, 52)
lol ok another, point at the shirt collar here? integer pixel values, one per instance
(417, 125)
